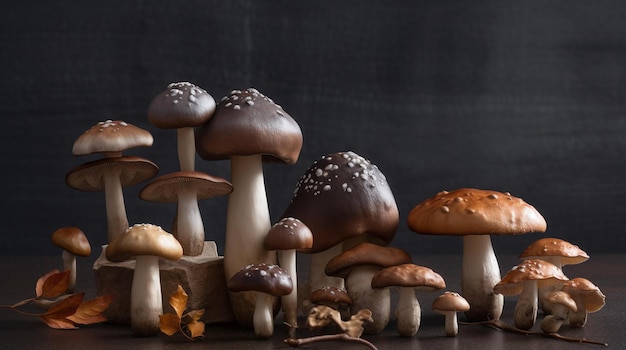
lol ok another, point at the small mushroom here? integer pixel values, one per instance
(333, 297)
(588, 298)
(110, 138)
(524, 279)
(448, 304)
(147, 243)
(267, 281)
(74, 243)
(409, 278)
(562, 304)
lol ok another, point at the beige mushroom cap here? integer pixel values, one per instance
(166, 188)
(468, 211)
(408, 275)
(366, 254)
(545, 273)
(450, 301)
(289, 233)
(111, 136)
(144, 239)
(592, 296)
(71, 239)
(567, 252)
(562, 298)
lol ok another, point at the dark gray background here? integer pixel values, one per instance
(518, 96)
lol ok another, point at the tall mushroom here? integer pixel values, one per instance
(147, 243)
(476, 214)
(248, 127)
(342, 197)
(182, 106)
(186, 188)
(73, 242)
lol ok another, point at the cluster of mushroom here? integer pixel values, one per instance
(540, 283)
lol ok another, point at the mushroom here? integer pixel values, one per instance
(267, 281)
(286, 236)
(331, 296)
(476, 214)
(73, 242)
(110, 138)
(559, 253)
(562, 305)
(448, 304)
(248, 127)
(147, 243)
(409, 278)
(524, 279)
(588, 298)
(182, 106)
(342, 197)
(186, 188)
(357, 266)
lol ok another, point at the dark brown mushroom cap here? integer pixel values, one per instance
(181, 105)
(469, 211)
(89, 176)
(71, 239)
(249, 123)
(409, 275)
(366, 254)
(567, 252)
(545, 273)
(111, 136)
(166, 188)
(343, 195)
(289, 233)
(265, 278)
(331, 295)
(144, 239)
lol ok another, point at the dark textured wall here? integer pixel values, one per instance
(518, 96)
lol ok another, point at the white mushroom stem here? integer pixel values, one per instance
(552, 323)
(359, 287)
(289, 302)
(408, 312)
(451, 322)
(525, 312)
(189, 227)
(146, 302)
(263, 320)
(116, 209)
(578, 318)
(186, 148)
(69, 264)
(247, 225)
(480, 273)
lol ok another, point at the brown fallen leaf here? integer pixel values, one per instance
(171, 324)
(56, 316)
(90, 312)
(52, 284)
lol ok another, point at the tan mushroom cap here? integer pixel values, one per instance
(545, 273)
(366, 254)
(89, 176)
(166, 188)
(408, 275)
(450, 301)
(331, 295)
(71, 239)
(265, 278)
(289, 233)
(111, 136)
(567, 252)
(182, 104)
(592, 296)
(144, 239)
(562, 298)
(468, 211)
(246, 123)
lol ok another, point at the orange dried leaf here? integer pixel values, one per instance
(41, 280)
(90, 312)
(58, 323)
(54, 284)
(178, 300)
(194, 315)
(64, 308)
(196, 329)
(169, 324)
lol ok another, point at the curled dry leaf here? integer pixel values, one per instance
(52, 284)
(171, 324)
(178, 300)
(90, 312)
(56, 316)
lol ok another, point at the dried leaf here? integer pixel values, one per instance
(178, 300)
(53, 284)
(41, 280)
(56, 316)
(58, 323)
(90, 312)
(196, 329)
(169, 324)
(194, 315)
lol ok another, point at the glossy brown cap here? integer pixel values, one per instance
(111, 136)
(144, 239)
(408, 275)
(450, 301)
(545, 273)
(246, 123)
(343, 195)
(71, 239)
(264, 278)
(469, 211)
(90, 176)
(592, 296)
(567, 252)
(331, 296)
(366, 254)
(167, 187)
(181, 105)
(289, 233)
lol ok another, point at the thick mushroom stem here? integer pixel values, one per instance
(451, 323)
(289, 302)
(578, 318)
(480, 274)
(377, 300)
(408, 312)
(116, 209)
(263, 320)
(525, 312)
(186, 148)
(247, 224)
(146, 302)
(69, 264)
(189, 227)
